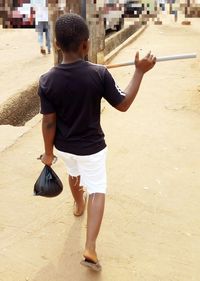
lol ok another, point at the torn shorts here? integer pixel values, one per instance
(90, 168)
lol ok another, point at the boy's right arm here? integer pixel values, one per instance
(142, 66)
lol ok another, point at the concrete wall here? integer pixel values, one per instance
(95, 22)
(118, 38)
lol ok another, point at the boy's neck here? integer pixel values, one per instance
(71, 57)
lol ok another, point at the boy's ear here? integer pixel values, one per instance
(86, 46)
(57, 45)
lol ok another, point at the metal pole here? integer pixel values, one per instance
(83, 9)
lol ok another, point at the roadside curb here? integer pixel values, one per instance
(18, 115)
(11, 134)
(132, 38)
(118, 38)
(21, 107)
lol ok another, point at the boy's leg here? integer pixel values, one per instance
(93, 172)
(74, 182)
(77, 192)
(96, 205)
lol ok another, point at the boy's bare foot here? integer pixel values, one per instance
(90, 255)
(91, 260)
(79, 209)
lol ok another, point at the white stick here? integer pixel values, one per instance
(158, 59)
(177, 57)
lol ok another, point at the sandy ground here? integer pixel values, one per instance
(151, 226)
(21, 61)
(21, 66)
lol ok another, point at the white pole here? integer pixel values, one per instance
(158, 59)
(177, 57)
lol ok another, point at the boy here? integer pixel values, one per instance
(70, 96)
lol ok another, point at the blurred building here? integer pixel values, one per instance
(191, 8)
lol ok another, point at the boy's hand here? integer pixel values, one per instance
(144, 64)
(47, 159)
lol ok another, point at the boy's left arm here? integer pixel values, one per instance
(48, 131)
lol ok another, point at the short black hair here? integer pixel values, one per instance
(71, 29)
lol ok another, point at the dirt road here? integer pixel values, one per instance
(151, 227)
(21, 62)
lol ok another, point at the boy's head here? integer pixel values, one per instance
(71, 31)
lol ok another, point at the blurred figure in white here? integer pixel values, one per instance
(42, 24)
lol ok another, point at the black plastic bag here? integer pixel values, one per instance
(48, 184)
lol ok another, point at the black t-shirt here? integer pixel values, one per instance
(74, 92)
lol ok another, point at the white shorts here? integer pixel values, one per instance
(90, 168)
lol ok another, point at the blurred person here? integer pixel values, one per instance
(42, 24)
